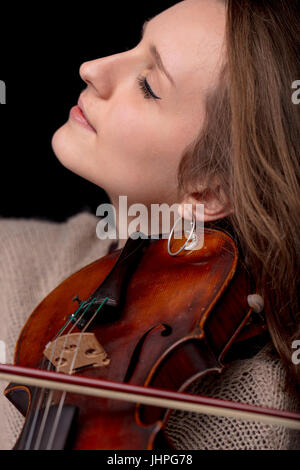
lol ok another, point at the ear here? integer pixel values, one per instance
(216, 204)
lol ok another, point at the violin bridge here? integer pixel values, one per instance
(69, 353)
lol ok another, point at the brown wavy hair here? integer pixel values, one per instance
(251, 141)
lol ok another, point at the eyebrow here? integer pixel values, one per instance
(156, 55)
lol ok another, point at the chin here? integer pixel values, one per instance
(66, 146)
(74, 152)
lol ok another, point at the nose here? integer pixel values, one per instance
(104, 75)
(92, 73)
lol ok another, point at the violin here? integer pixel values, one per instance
(105, 357)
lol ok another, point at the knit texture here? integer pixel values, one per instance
(36, 256)
(256, 381)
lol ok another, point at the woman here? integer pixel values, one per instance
(218, 127)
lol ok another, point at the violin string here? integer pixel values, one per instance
(62, 400)
(37, 399)
(49, 400)
(48, 404)
(43, 422)
(56, 421)
(42, 391)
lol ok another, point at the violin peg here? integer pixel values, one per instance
(256, 302)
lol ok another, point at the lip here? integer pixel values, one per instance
(78, 114)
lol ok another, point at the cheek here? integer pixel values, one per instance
(129, 132)
(137, 151)
(141, 139)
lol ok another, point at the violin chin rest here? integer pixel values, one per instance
(19, 396)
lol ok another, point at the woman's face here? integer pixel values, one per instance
(137, 143)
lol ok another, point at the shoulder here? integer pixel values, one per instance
(261, 381)
(75, 240)
(36, 256)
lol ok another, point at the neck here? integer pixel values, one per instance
(143, 222)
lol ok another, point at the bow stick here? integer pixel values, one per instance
(147, 396)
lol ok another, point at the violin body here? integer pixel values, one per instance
(167, 321)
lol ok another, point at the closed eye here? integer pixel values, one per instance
(146, 89)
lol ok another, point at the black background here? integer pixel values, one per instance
(42, 48)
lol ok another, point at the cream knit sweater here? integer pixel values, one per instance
(35, 256)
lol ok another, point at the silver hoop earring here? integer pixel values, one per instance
(188, 244)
